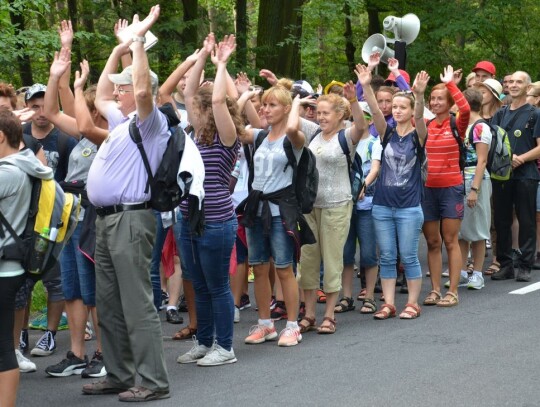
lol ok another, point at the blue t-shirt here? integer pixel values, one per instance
(400, 182)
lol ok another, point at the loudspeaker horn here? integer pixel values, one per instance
(377, 43)
(405, 29)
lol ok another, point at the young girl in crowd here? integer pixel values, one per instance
(396, 204)
(443, 193)
(216, 123)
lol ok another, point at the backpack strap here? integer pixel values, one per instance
(319, 130)
(345, 147)
(455, 133)
(291, 159)
(135, 135)
(470, 136)
(10, 229)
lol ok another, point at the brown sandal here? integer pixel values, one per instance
(492, 269)
(450, 300)
(386, 311)
(306, 328)
(327, 329)
(433, 298)
(406, 314)
(184, 333)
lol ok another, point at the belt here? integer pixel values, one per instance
(109, 210)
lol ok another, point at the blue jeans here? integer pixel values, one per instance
(207, 257)
(398, 226)
(78, 272)
(363, 229)
(155, 277)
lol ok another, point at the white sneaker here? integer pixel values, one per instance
(195, 353)
(476, 282)
(290, 337)
(463, 281)
(217, 356)
(446, 273)
(236, 314)
(25, 365)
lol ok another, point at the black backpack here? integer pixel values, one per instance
(305, 174)
(165, 194)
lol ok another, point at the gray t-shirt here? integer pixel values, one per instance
(80, 159)
(269, 161)
(334, 183)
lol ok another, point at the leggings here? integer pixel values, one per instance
(8, 289)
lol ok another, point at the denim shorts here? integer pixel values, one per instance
(443, 203)
(362, 230)
(277, 244)
(78, 273)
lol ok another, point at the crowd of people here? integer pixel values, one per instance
(425, 171)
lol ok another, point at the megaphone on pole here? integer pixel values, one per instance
(405, 29)
(377, 43)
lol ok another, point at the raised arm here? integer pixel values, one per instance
(360, 128)
(462, 121)
(270, 77)
(119, 27)
(224, 122)
(61, 64)
(373, 62)
(142, 87)
(85, 123)
(295, 136)
(393, 66)
(192, 83)
(65, 31)
(364, 77)
(167, 88)
(419, 87)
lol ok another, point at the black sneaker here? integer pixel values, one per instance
(182, 306)
(280, 312)
(173, 317)
(244, 302)
(95, 368)
(68, 366)
(23, 341)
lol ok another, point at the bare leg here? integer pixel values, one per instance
(189, 294)
(464, 248)
(263, 291)
(18, 326)
(289, 287)
(479, 252)
(432, 234)
(174, 283)
(389, 290)
(9, 382)
(238, 281)
(54, 313)
(97, 331)
(450, 230)
(347, 280)
(77, 314)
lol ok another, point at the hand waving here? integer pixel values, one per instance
(448, 75)
(65, 31)
(224, 50)
(420, 83)
(374, 60)
(363, 74)
(61, 63)
(140, 28)
(82, 76)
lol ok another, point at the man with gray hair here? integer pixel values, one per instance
(522, 122)
(126, 226)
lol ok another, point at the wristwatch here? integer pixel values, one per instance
(475, 189)
(139, 39)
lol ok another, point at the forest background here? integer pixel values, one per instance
(316, 40)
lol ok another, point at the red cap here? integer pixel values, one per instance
(485, 66)
(392, 78)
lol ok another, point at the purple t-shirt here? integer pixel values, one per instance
(117, 174)
(219, 162)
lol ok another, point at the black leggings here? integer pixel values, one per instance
(8, 289)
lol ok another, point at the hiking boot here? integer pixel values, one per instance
(45, 346)
(25, 365)
(523, 275)
(217, 356)
(476, 282)
(244, 302)
(68, 366)
(195, 353)
(260, 334)
(102, 387)
(505, 273)
(280, 312)
(95, 368)
(173, 317)
(290, 337)
(23, 341)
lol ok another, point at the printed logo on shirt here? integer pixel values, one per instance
(517, 133)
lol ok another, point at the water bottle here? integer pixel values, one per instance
(40, 248)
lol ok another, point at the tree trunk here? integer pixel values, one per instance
(74, 17)
(349, 45)
(241, 34)
(278, 37)
(189, 34)
(23, 61)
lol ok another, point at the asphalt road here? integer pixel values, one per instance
(484, 352)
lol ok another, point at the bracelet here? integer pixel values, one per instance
(139, 39)
(475, 189)
(351, 101)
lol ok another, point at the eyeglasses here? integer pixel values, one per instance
(121, 91)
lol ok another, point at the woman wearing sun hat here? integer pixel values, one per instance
(490, 89)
